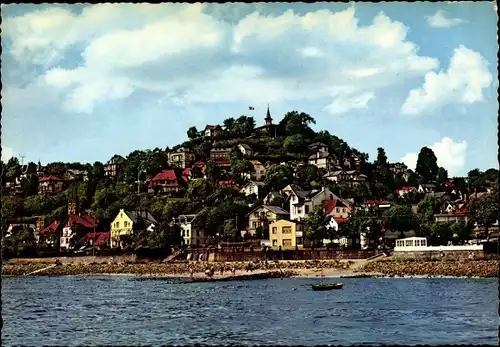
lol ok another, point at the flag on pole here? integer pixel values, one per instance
(251, 108)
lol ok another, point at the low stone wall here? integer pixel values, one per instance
(121, 259)
(437, 255)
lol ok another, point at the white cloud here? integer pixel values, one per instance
(346, 102)
(462, 83)
(450, 155)
(7, 153)
(439, 20)
(129, 48)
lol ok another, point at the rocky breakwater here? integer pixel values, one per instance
(470, 268)
(163, 268)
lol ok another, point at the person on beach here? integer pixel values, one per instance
(222, 270)
(191, 272)
(233, 271)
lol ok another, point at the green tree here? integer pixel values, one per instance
(317, 223)
(278, 177)
(427, 166)
(484, 211)
(97, 171)
(213, 172)
(199, 190)
(192, 133)
(295, 144)
(29, 185)
(442, 175)
(460, 231)
(297, 123)
(426, 209)
(400, 218)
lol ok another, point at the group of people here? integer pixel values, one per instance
(211, 272)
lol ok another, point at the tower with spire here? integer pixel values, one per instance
(268, 129)
(268, 120)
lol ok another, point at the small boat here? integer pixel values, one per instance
(328, 286)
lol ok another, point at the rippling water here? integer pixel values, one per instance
(93, 311)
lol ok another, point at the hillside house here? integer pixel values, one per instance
(426, 188)
(190, 233)
(72, 175)
(68, 231)
(245, 149)
(123, 224)
(323, 160)
(405, 191)
(212, 131)
(166, 182)
(303, 202)
(286, 234)
(114, 167)
(50, 185)
(351, 177)
(98, 240)
(338, 208)
(259, 170)
(398, 168)
(252, 187)
(181, 158)
(263, 215)
(271, 196)
(220, 156)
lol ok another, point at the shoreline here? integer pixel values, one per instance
(294, 269)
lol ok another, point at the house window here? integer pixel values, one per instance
(125, 224)
(287, 230)
(287, 242)
(337, 209)
(275, 242)
(275, 230)
(117, 224)
(343, 210)
(307, 209)
(299, 240)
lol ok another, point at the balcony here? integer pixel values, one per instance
(298, 234)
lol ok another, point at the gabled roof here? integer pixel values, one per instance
(136, 215)
(257, 183)
(319, 155)
(99, 238)
(116, 159)
(255, 162)
(213, 127)
(274, 209)
(317, 144)
(245, 146)
(167, 175)
(86, 221)
(50, 179)
(51, 227)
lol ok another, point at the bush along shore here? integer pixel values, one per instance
(478, 268)
(165, 269)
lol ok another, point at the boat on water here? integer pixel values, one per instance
(327, 286)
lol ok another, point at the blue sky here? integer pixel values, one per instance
(82, 83)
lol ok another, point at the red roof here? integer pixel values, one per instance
(99, 238)
(211, 127)
(448, 183)
(199, 164)
(330, 205)
(373, 202)
(86, 221)
(340, 220)
(49, 179)
(51, 227)
(222, 162)
(186, 172)
(165, 175)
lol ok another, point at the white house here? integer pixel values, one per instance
(404, 191)
(252, 187)
(189, 233)
(303, 202)
(245, 149)
(259, 171)
(427, 188)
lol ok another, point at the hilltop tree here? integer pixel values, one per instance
(427, 166)
(425, 213)
(297, 123)
(199, 190)
(192, 133)
(381, 158)
(213, 172)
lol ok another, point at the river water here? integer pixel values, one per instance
(117, 310)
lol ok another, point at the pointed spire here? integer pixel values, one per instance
(268, 118)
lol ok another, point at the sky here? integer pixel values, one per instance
(84, 82)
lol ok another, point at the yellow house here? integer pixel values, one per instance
(287, 234)
(123, 224)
